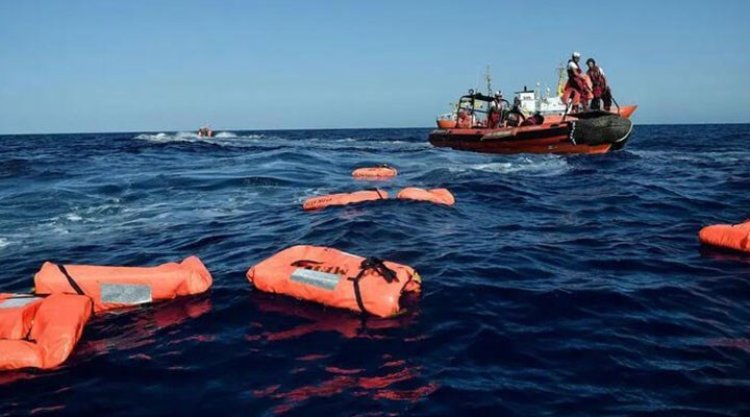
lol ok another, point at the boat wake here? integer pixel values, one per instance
(540, 166)
(162, 137)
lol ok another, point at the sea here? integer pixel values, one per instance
(555, 286)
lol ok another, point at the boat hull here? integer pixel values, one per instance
(593, 135)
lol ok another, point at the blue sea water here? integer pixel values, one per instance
(557, 285)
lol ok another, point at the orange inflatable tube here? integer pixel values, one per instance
(116, 286)
(436, 195)
(736, 237)
(40, 332)
(337, 279)
(380, 172)
(320, 202)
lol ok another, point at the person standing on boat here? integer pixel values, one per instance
(577, 89)
(600, 88)
(496, 108)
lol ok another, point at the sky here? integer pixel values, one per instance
(138, 65)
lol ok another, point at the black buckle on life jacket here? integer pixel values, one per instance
(377, 266)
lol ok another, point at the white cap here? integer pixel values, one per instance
(576, 54)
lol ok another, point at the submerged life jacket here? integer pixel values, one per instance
(40, 332)
(342, 199)
(375, 172)
(435, 195)
(736, 237)
(337, 279)
(118, 286)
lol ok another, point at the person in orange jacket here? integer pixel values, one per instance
(600, 89)
(577, 89)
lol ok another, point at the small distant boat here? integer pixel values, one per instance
(205, 132)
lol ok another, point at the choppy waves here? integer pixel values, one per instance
(555, 285)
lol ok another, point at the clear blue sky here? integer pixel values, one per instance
(87, 66)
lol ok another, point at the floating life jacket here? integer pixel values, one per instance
(375, 172)
(40, 332)
(736, 237)
(117, 286)
(435, 195)
(320, 202)
(337, 279)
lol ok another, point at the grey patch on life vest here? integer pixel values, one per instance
(18, 302)
(324, 280)
(129, 294)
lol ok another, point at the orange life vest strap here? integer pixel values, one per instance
(71, 281)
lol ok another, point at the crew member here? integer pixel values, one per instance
(600, 88)
(495, 115)
(577, 89)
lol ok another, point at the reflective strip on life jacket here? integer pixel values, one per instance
(337, 279)
(125, 294)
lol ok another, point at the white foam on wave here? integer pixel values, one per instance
(219, 138)
(73, 217)
(536, 166)
(724, 157)
(4, 242)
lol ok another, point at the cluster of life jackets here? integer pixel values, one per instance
(40, 330)
(436, 195)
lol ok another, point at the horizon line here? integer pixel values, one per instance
(319, 128)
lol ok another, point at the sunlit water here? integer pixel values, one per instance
(555, 285)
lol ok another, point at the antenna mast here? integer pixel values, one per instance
(488, 78)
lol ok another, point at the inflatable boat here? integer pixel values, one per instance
(590, 132)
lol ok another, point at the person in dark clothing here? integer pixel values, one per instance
(600, 90)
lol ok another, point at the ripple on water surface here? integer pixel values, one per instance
(555, 286)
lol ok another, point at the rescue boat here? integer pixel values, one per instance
(205, 132)
(586, 132)
(534, 123)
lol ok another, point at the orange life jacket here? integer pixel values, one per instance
(736, 237)
(435, 195)
(337, 279)
(40, 332)
(118, 286)
(342, 199)
(599, 83)
(374, 172)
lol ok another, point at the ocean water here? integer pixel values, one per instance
(555, 286)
